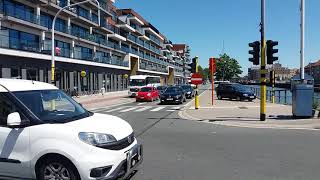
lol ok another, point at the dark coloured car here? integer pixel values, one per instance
(188, 90)
(234, 91)
(173, 94)
(161, 89)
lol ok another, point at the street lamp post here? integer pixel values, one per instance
(52, 34)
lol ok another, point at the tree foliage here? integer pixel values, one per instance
(227, 68)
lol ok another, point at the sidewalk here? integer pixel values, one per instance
(108, 99)
(245, 114)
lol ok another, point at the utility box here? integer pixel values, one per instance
(302, 96)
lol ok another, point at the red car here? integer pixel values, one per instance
(147, 94)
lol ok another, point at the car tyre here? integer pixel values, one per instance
(185, 99)
(219, 97)
(57, 168)
(239, 98)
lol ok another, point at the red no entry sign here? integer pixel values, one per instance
(196, 79)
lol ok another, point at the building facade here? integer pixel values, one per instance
(88, 56)
(282, 74)
(313, 69)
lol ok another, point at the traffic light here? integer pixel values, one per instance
(271, 51)
(193, 65)
(255, 52)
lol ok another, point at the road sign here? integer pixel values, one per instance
(196, 79)
(83, 73)
(212, 65)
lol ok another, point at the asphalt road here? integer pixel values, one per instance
(178, 149)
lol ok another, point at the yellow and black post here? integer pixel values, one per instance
(272, 81)
(263, 71)
(196, 99)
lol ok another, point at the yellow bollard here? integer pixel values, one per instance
(196, 99)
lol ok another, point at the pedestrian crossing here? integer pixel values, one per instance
(139, 108)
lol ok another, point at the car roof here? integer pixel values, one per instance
(15, 85)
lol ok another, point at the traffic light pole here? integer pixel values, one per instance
(196, 99)
(263, 70)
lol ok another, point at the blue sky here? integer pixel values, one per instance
(206, 24)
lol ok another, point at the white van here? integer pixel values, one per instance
(45, 134)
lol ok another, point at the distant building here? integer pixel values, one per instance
(313, 69)
(254, 74)
(282, 74)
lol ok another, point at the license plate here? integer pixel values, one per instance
(169, 99)
(252, 97)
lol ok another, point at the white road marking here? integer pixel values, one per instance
(117, 109)
(143, 108)
(141, 103)
(129, 109)
(158, 108)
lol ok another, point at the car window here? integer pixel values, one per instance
(52, 105)
(6, 107)
(146, 89)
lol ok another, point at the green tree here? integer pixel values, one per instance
(227, 68)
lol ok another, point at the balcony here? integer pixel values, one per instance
(22, 45)
(135, 20)
(111, 60)
(104, 6)
(168, 43)
(151, 31)
(125, 26)
(144, 37)
(59, 4)
(154, 39)
(138, 29)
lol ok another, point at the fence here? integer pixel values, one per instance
(282, 96)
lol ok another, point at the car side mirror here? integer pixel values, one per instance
(14, 119)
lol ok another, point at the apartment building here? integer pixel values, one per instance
(313, 69)
(88, 56)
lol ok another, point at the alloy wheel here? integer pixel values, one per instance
(56, 171)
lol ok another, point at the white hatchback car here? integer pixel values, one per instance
(45, 134)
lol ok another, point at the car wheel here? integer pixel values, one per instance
(238, 98)
(219, 97)
(185, 100)
(250, 100)
(56, 168)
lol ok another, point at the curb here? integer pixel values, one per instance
(184, 115)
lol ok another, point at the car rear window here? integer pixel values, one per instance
(146, 89)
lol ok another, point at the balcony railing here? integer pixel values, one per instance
(35, 47)
(110, 27)
(9, 10)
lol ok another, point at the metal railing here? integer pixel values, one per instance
(282, 96)
(23, 45)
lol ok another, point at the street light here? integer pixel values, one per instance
(52, 33)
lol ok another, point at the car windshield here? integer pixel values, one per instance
(188, 88)
(161, 87)
(173, 90)
(137, 82)
(52, 106)
(145, 89)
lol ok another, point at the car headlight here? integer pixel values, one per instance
(178, 96)
(245, 95)
(96, 139)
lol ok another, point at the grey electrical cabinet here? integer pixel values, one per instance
(302, 96)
